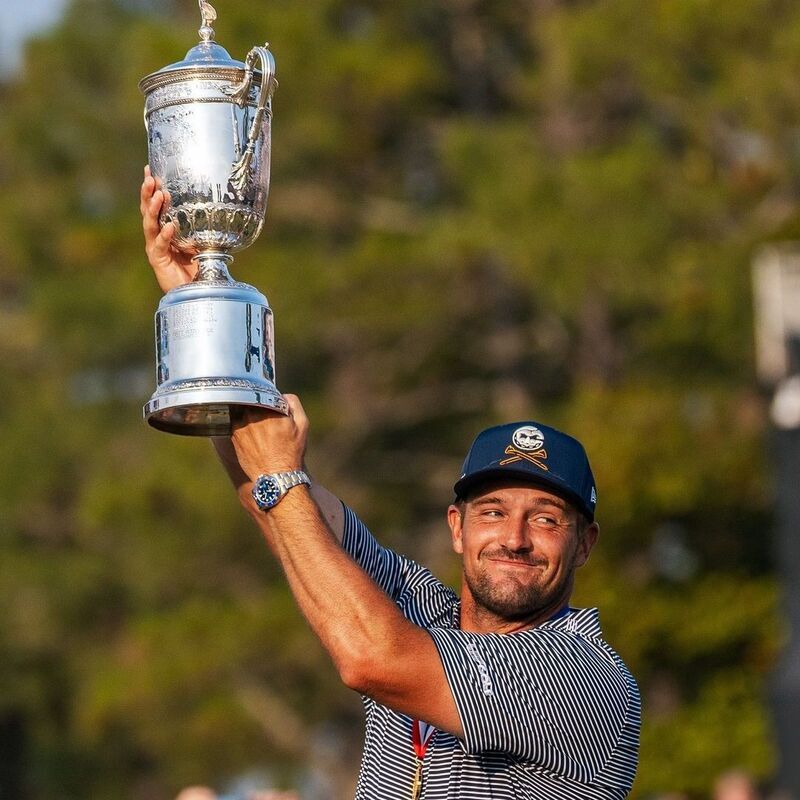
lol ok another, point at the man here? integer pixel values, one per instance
(506, 693)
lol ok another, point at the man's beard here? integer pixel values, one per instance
(509, 599)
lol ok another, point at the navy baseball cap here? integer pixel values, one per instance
(531, 452)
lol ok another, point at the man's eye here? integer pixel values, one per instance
(545, 520)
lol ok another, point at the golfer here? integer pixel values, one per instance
(501, 691)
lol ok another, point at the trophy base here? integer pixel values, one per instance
(206, 410)
(214, 354)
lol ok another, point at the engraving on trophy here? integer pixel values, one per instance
(188, 320)
(182, 322)
(208, 121)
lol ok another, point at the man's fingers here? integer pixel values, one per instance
(149, 185)
(296, 410)
(150, 216)
(242, 416)
(256, 414)
(165, 236)
(146, 193)
(160, 244)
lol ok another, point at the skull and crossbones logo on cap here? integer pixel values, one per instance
(528, 438)
(528, 445)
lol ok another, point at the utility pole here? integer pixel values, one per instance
(776, 282)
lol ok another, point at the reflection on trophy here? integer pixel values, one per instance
(208, 121)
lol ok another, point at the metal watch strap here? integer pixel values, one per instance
(288, 480)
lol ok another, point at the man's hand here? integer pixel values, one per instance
(171, 267)
(266, 441)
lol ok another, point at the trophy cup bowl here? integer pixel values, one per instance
(208, 120)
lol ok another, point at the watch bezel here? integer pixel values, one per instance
(267, 491)
(269, 488)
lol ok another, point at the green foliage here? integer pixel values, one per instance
(480, 211)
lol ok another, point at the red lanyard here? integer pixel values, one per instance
(421, 736)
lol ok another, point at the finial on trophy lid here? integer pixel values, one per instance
(209, 14)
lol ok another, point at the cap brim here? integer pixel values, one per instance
(469, 483)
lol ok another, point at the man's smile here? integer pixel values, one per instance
(512, 563)
(510, 560)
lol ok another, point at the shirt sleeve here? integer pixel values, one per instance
(398, 576)
(546, 696)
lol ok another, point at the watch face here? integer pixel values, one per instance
(266, 491)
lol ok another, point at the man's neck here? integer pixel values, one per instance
(477, 619)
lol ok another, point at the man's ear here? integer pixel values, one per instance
(586, 543)
(455, 521)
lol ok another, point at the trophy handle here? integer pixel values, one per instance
(239, 94)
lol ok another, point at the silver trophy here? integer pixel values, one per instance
(208, 121)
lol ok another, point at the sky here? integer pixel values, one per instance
(19, 19)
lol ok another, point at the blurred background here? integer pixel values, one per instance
(480, 211)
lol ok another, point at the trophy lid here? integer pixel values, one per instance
(206, 59)
(204, 55)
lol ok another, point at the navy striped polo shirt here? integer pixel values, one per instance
(548, 713)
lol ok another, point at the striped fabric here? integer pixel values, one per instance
(549, 713)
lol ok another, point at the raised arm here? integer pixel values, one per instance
(377, 651)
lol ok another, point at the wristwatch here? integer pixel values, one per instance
(269, 489)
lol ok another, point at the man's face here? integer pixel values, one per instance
(520, 546)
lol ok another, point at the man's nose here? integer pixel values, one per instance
(516, 535)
